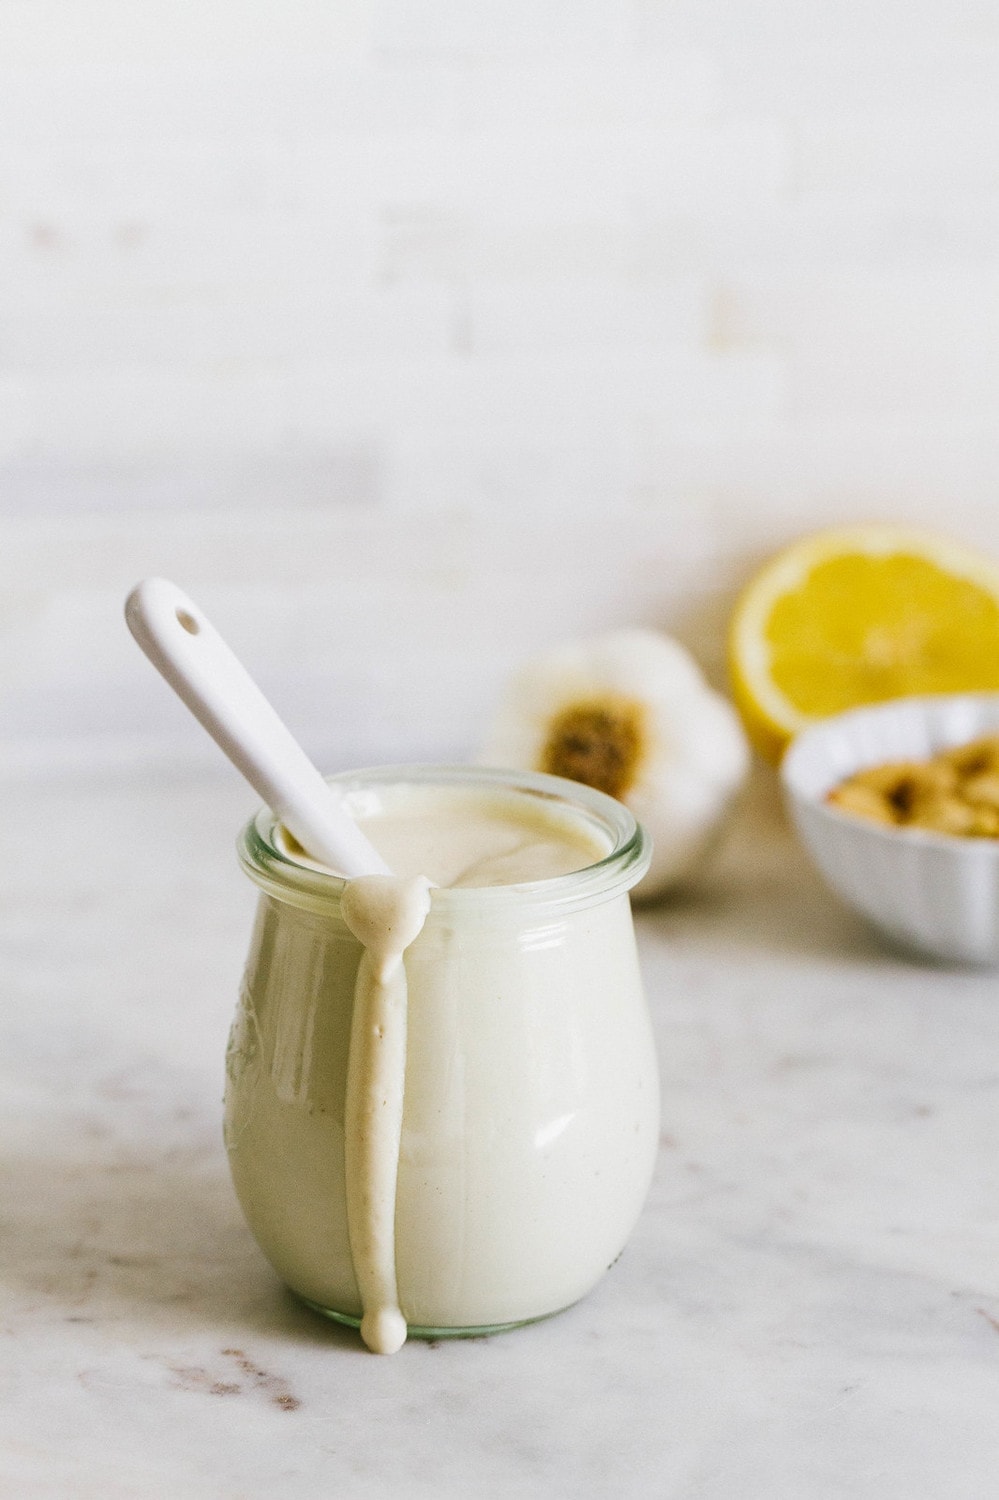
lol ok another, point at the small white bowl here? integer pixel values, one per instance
(929, 891)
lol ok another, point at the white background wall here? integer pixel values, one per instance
(412, 335)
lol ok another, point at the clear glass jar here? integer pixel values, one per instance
(531, 1101)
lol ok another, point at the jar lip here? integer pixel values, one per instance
(275, 871)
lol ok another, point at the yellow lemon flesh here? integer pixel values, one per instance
(858, 615)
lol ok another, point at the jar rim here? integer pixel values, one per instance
(276, 872)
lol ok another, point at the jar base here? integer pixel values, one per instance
(418, 1331)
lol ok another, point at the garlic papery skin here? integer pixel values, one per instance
(630, 713)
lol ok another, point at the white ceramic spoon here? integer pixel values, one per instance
(189, 652)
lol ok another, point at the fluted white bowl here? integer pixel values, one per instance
(931, 892)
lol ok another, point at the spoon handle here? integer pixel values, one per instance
(188, 651)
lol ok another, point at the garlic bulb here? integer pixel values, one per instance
(631, 714)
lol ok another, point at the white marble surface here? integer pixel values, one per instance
(808, 1310)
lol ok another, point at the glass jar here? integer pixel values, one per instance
(530, 1115)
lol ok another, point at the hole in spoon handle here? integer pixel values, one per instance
(190, 654)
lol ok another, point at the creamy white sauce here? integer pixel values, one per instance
(467, 841)
(467, 837)
(492, 1017)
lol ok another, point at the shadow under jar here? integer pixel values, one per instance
(530, 1112)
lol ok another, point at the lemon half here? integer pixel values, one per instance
(858, 615)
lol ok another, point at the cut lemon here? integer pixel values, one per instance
(857, 615)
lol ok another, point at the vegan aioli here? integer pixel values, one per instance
(423, 1242)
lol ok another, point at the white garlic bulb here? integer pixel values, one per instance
(631, 714)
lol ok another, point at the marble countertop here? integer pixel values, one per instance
(809, 1307)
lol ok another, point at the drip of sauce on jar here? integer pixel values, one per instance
(385, 914)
